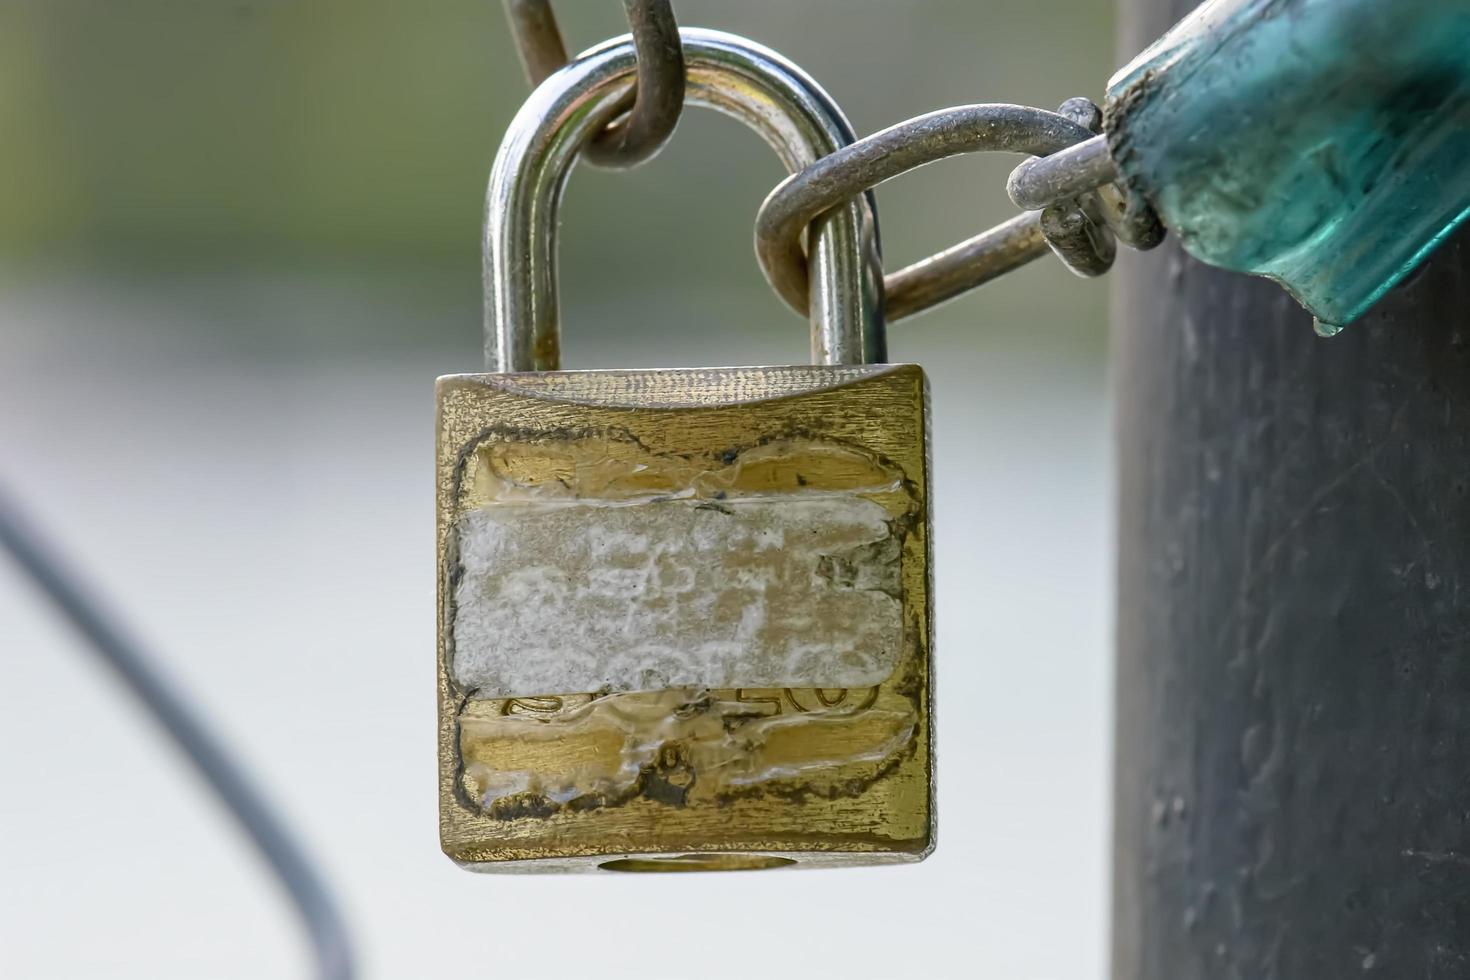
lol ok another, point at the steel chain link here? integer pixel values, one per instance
(1074, 206)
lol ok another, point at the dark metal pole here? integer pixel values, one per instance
(1293, 729)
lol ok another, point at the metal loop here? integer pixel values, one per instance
(1131, 218)
(658, 97)
(1075, 229)
(848, 172)
(1084, 246)
(1087, 167)
(727, 73)
(538, 39)
(1067, 173)
(1084, 112)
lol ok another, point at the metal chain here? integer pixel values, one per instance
(1081, 169)
(1075, 209)
(658, 96)
(1073, 215)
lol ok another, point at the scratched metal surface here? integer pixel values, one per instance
(287, 582)
(883, 415)
(1293, 775)
(238, 449)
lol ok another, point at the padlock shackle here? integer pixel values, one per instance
(727, 73)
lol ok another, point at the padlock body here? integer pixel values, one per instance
(684, 618)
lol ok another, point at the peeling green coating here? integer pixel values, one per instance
(1321, 143)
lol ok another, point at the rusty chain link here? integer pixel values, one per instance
(1073, 204)
(658, 96)
(1074, 217)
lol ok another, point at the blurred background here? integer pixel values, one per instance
(238, 241)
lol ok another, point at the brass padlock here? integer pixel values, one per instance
(684, 615)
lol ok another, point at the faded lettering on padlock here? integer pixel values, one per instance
(589, 562)
(684, 614)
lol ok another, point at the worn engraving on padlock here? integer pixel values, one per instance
(684, 614)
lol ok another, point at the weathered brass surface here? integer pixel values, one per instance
(739, 558)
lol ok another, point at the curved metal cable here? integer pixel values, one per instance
(314, 902)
